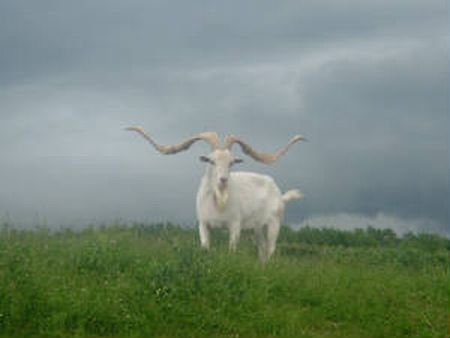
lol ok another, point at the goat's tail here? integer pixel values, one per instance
(294, 194)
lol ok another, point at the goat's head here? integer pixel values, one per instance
(220, 160)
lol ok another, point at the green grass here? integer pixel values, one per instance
(155, 281)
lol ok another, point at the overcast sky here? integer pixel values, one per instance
(367, 82)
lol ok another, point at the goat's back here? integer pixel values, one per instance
(256, 196)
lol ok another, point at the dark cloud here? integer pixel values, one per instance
(61, 37)
(366, 83)
(383, 132)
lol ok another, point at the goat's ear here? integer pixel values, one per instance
(205, 159)
(238, 160)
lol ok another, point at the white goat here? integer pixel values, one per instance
(236, 200)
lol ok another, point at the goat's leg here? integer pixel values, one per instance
(261, 243)
(204, 235)
(235, 234)
(273, 228)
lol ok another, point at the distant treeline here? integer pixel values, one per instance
(360, 237)
(363, 238)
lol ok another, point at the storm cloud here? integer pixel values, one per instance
(367, 83)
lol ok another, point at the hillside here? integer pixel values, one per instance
(155, 281)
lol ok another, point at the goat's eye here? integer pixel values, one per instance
(236, 161)
(207, 160)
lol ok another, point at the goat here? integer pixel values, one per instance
(236, 200)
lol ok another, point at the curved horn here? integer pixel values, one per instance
(266, 158)
(209, 137)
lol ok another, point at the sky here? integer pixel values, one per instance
(367, 82)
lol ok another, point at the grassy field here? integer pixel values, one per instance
(155, 281)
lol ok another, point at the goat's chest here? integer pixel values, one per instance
(209, 211)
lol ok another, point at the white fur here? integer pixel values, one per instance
(254, 202)
(240, 200)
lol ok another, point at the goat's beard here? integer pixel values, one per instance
(221, 198)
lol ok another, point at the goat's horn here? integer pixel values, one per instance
(266, 158)
(209, 137)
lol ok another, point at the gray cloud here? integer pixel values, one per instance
(389, 129)
(59, 37)
(366, 83)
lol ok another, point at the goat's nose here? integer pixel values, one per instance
(223, 180)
